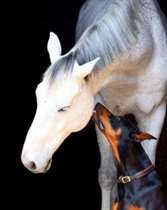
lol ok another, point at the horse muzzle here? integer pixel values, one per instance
(36, 165)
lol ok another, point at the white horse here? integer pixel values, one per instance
(120, 60)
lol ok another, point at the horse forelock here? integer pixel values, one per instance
(62, 67)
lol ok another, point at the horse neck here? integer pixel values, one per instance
(109, 38)
(101, 79)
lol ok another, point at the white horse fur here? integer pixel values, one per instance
(120, 60)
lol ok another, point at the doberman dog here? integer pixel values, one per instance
(139, 187)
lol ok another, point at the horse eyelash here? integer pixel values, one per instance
(63, 109)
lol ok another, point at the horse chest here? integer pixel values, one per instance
(127, 94)
(119, 97)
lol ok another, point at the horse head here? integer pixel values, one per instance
(65, 104)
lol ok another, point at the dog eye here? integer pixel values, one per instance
(63, 109)
(132, 135)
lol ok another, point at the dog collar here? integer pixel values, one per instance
(138, 175)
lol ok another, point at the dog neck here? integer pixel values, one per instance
(133, 161)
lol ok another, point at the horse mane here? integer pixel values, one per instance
(108, 37)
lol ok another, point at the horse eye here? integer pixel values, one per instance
(64, 109)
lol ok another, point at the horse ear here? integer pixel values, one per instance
(54, 47)
(141, 136)
(81, 71)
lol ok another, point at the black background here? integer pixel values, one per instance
(72, 179)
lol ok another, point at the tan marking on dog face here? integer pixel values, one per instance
(134, 207)
(115, 206)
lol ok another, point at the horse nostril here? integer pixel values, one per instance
(32, 165)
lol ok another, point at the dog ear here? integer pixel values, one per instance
(141, 136)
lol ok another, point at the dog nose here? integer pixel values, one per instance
(98, 106)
